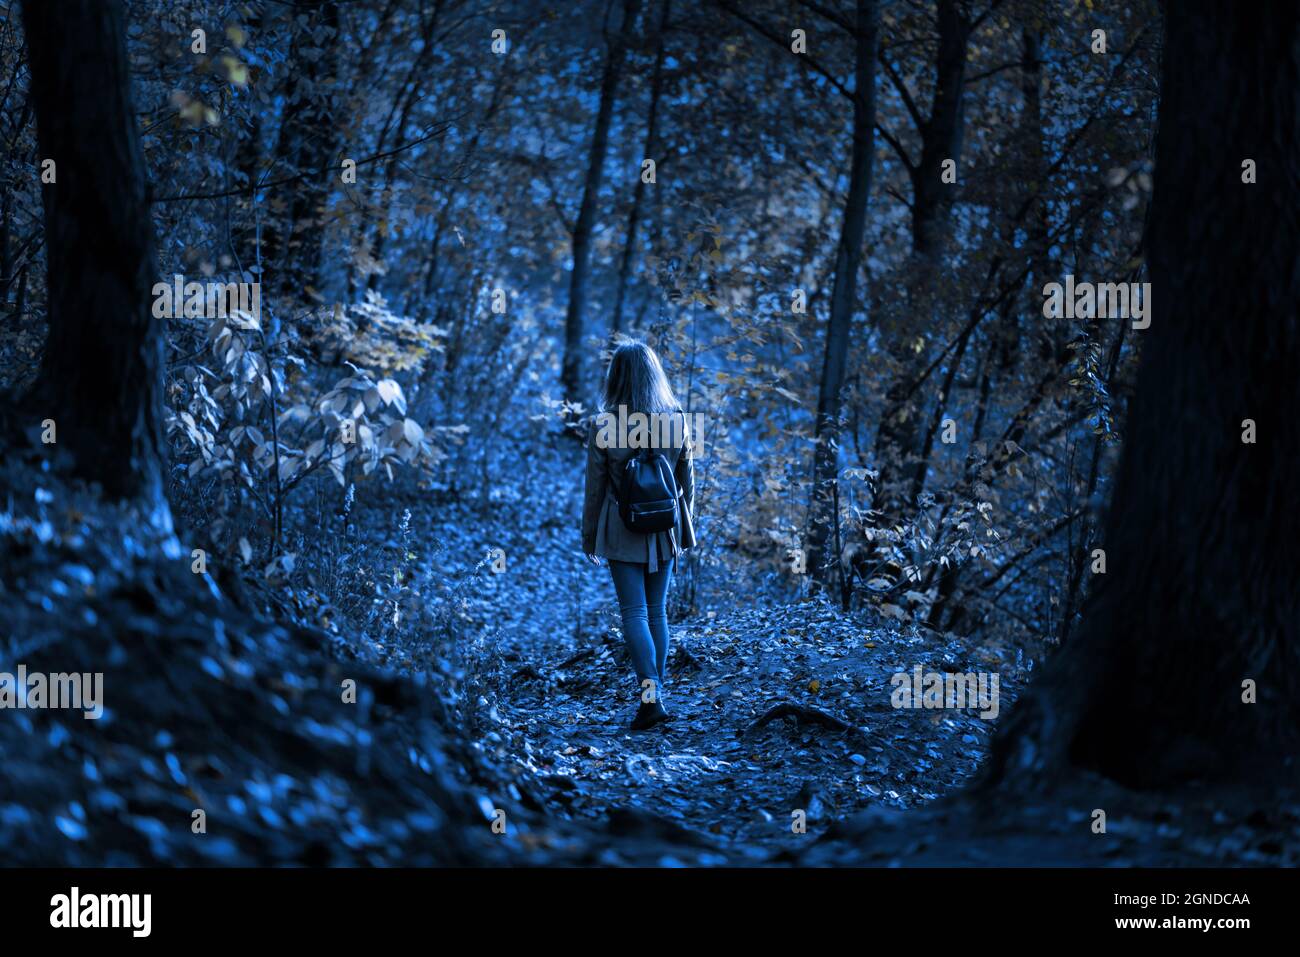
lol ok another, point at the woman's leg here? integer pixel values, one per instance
(656, 594)
(630, 586)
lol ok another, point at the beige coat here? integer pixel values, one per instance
(603, 532)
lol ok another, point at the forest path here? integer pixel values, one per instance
(836, 747)
(555, 693)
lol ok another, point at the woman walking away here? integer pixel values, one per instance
(637, 508)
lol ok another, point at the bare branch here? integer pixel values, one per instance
(783, 43)
(995, 70)
(837, 18)
(433, 133)
(903, 92)
(898, 147)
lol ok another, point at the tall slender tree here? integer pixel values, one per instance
(399, 119)
(651, 147)
(843, 293)
(571, 375)
(309, 140)
(941, 134)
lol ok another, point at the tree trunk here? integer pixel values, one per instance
(426, 308)
(6, 260)
(937, 415)
(571, 375)
(1031, 208)
(101, 376)
(821, 517)
(1200, 591)
(414, 87)
(245, 156)
(310, 135)
(900, 429)
(651, 145)
(1031, 135)
(941, 135)
(1080, 557)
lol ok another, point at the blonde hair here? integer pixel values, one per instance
(636, 381)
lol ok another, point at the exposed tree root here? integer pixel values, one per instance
(802, 715)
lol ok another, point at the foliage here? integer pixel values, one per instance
(425, 299)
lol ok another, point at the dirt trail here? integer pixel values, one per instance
(559, 695)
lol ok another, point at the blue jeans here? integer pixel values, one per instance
(642, 598)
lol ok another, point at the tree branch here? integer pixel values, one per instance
(784, 44)
(903, 92)
(898, 147)
(183, 197)
(997, 69)
(837, 18)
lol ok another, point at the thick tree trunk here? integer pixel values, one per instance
(821, 517)
(571, 374)
(1200, 590)
(101, 378)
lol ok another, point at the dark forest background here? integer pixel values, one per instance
(448, 210)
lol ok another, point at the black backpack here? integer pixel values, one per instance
(647, 496)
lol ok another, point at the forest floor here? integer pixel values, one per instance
(507, 692)
(558, 694)
(779, 705)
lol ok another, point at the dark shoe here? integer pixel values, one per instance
(648, 715)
